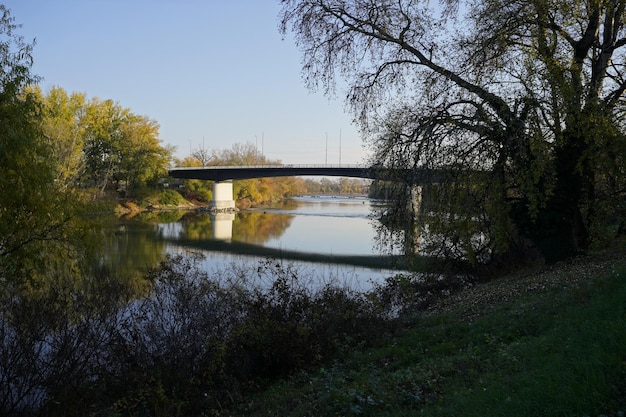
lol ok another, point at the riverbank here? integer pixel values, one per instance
(168, 200)
(544, 341)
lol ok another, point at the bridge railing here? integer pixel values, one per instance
(357, 166)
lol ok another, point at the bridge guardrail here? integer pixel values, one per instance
(356, 166)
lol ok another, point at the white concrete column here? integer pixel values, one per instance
(223, 196)
(416, 199)
(223, 226)
(413, 236)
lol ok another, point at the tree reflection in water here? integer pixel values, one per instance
(254, 227)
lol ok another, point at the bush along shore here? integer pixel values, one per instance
(550, 341)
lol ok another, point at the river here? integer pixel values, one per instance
(326, 238)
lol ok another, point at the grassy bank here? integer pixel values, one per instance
(538, 343)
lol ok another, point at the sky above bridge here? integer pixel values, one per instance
(212, 73)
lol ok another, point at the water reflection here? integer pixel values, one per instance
(329, 226)
(246, 227)
(130, 247)
(327, 234)
(223, 226)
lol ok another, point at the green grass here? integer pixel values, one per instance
(559, 353)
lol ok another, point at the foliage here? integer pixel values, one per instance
(510, 114)
(558, 352)
(100, 143)
(246, 192)
(335, 186)
(60, 113)
(52, 341)
(253, 342)
(193, 344)
(151, 198)
(41, 220)
(170, 198)
(404, 294)
(121, 148)
(196, 190)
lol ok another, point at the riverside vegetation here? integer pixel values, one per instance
(549, 341)
(543, 342)
(77, 339)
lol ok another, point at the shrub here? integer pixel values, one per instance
(196, 342)
(170, 198)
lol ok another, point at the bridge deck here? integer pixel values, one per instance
(225, 173)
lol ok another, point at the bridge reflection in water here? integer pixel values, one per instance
(248, 233)
(391, 262)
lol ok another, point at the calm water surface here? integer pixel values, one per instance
(330, 238)
(330, 225)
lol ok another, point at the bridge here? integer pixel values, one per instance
(224, 175)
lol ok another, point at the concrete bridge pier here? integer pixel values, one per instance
(415, 199)
(223, 196)
(413, 230)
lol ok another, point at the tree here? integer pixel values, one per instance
(101, 125)
(41, 226)
(517, 105)
(60, 114)
(121, 148)
(202, 155)
(142, 158)
(196, 189)
(241, 154)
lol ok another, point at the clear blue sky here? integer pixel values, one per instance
(216, 71)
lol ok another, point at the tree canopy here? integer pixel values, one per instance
(53, 147)
(100, 143)
(40, 221)
(520, 102)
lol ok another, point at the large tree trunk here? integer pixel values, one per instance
(561, 229)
